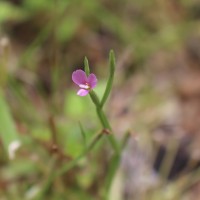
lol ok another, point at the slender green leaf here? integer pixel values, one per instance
(110, 79)
(86, 66)
(83, 135)
(125, 139)
(8, 133)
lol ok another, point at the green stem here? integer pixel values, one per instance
(94, 98)
(104, 121)
(112, 170)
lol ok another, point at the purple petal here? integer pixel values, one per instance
(82, 92)
(79, 77)
(92, 80)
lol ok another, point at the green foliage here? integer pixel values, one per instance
(84, 135)
(41, 5)
(10, 12)
(67, 27)
(113, 167)
(110, 79)
(81, 105)
(86, 66)
(48, 39)
(8, 133)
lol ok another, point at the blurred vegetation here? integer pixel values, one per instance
(41, 43)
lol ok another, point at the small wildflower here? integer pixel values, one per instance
(85, 83)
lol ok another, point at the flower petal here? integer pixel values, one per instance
(92, 81)
(84, 86)
(79, 77)
(82, 92)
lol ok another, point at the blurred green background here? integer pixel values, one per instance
(157, 47)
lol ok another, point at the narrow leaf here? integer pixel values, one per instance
(125, 139)
(110, 79)
(86, 66)
(83, 135)
(8, 133)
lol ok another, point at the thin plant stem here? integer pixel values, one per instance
(67, 167)
(104, 121)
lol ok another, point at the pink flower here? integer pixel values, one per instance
(85, 83)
